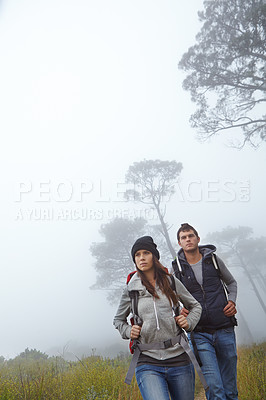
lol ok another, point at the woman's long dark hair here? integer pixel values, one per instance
(162, 278)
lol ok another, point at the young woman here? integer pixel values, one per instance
(161, 373)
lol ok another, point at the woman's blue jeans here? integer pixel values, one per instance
(164, 383)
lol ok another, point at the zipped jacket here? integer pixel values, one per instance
(157, 315)
(211, 294)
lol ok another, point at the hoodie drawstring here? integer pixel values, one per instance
(156, 316)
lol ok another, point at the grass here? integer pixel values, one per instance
(251, 372)
(56, 379)
(96, 378)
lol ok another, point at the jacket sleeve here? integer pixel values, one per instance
(120, 318)
(190, 303)
(228, 279)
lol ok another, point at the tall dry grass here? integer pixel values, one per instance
(95, 378)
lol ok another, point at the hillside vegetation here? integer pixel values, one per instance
(35, 376)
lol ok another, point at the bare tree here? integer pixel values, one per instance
(153, 182)
(227, 70)
(113, 257)
(113, 254)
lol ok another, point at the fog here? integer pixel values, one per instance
(88, 88)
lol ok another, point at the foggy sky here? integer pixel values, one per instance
(88, 88)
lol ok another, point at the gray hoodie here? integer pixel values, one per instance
(157, 316)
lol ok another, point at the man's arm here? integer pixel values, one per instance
(231, 284)
(228, 279)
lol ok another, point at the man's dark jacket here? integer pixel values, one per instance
(211, 294)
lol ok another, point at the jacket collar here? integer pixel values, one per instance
(206, 251)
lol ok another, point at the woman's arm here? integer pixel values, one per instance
(120, 318)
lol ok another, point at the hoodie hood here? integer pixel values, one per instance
(135, 284)
(205, 250)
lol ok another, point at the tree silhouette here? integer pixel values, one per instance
(31, 354)
(154, 181)
(253, 251)
(226, 70)
(113, 254)
(239, 246)
(113, 257)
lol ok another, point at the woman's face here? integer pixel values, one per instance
(144, 260)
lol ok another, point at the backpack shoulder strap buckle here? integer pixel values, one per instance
(167, 343)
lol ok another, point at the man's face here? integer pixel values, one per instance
(188, 241)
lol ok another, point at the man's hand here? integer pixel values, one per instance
(230, 309)
(135, 331)
(182, 321)
(184, 312)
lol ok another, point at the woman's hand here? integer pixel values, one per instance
(184, 312)
(182, 322)
(135, 331)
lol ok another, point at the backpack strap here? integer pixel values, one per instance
(134, 297)
(177, 269)
(216, 266)
(135, 320)
(225, 288)
(172, 283)
(130, 276)
(196, 352)
(177, 307)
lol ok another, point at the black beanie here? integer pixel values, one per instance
(145, 243)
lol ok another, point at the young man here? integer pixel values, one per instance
(209, 281)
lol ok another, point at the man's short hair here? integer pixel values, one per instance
(184, 228)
